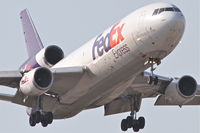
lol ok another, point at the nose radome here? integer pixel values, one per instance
(175, 20)
(169, 24)
(166, 30)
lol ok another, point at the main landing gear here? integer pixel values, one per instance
(40, 116)
(132, 121)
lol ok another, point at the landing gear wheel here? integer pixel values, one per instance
(129, 120)
(136, 127)
(38, 116)
(49, 117)
(141, 122)
(124, 125)
(42, 117)
(32, 120)
(132, 121)
(44, 123)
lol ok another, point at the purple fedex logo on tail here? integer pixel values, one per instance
(103, 44)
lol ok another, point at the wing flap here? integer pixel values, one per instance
(66, 78)
(67, 70)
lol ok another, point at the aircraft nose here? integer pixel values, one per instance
(175, 21)
(166, 18)
(173, 26)
(164, 30)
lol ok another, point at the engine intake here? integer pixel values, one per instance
(43, 77)
(187, 86)
(49, 56)
(181, 91)
(36, 82)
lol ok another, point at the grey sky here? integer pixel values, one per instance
(72, 23)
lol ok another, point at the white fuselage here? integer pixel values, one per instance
(116, 56)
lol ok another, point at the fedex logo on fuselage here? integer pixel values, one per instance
(104, 43)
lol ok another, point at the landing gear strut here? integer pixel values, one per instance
(132, 121)
(40, 116)
(151, 61)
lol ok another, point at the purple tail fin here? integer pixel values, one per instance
(32, 39)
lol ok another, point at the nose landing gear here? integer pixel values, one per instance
(132, 121)
(151, 61)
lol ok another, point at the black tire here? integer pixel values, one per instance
(49, 117)
(141, 122)
(124, 125)
(32, 121)
(136, 127)
(129, 120)
(44, 123)
(38, 116)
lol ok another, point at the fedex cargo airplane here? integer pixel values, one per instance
(108, 71)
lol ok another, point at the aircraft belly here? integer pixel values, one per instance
(94, 93)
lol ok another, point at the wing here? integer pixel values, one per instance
(10, 78)
(64, 79)
(141, 85)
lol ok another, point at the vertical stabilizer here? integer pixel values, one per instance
(32, 39)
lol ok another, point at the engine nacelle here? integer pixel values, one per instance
(36, 81)
(49, 56)
(181, 90)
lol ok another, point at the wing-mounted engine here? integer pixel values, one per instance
(179, 92)
(49, 56)
(36, 81)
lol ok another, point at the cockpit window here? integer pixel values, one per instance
(160, 10)
(155, 11)
(169, 9)
(177, 10)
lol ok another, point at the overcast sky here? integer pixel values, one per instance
(70, 24)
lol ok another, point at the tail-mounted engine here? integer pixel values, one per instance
(36, 81)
